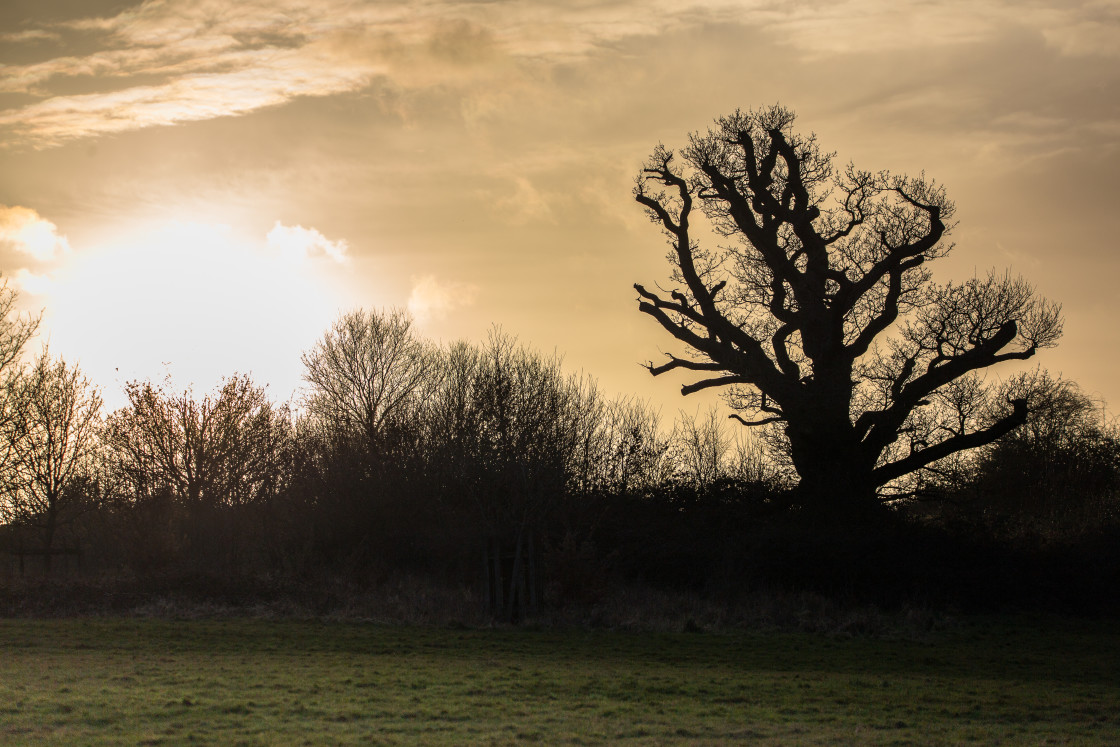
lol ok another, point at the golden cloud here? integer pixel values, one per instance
(25, 231)
(296, 243)
(432, 298)
(213, 58)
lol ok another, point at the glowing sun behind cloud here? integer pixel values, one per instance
(26, 232)
(196, 301)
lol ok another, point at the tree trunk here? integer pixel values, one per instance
(836, 478)
(48, 536)
(533, 587)
(516, 599)
(487, 594)
(836, 490)
(499, 602)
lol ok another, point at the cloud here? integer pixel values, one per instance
(297, 243)
(35, 285)
(166, 62)
(31, 35)
(187, 98)
(1097, 34)
(22, 229)
(526, 204)
(433, 299)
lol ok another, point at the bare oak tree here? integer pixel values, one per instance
(819, 314)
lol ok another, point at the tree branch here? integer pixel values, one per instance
(918, 459)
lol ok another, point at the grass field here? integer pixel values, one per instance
(230, 681)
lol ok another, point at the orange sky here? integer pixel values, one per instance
(199, 186)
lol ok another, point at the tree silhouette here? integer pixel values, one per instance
(221, 450)
(368, 369)
(51, 440)
(819, 313)
(15, 331)
(1059, 473)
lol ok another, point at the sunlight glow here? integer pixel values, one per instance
(25, 231)
(433, 299)
(297, 243)
(193, 301)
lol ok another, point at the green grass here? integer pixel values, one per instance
(230, 681)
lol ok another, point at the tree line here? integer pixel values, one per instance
(399, 452)
(862, 422)
(481, 464)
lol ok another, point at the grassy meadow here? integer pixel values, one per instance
(251, 681)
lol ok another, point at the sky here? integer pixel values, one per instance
(194, 188)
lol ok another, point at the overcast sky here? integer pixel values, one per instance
(199, 187)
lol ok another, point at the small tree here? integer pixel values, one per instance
(15, 331)
(819, 314)
(221, 450)
(630, 454)
(1058, 473)
(366, 370)
(193, 474)
(510, 437)
(368, 381)
(51, 437)
(701, 449)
